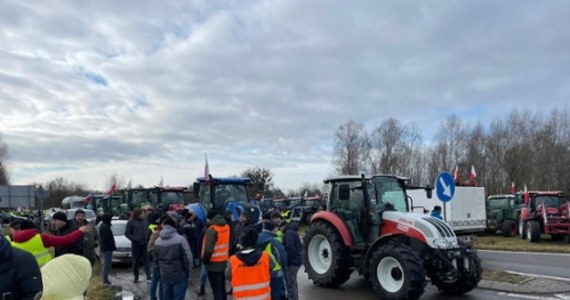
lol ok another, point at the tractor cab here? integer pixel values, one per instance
(223, 195)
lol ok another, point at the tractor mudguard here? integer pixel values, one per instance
(337, 223)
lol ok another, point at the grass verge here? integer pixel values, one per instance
(96, 290)
(496, 242)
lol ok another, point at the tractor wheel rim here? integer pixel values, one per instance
(528, 232)
(320, 254)
(521, 227)
(390, 274)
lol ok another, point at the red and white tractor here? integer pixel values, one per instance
(544, 212)
(368, 227)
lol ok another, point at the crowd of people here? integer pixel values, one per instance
(259, 260)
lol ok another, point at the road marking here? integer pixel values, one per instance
(520, 252)
(524, 296)
(539, 276)
(563, 296)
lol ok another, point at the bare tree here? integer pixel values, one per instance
(350, 143)
(261, 179)
(60, 188)
(4, 176)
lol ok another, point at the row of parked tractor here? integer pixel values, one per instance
(529, 215)
(297, 209)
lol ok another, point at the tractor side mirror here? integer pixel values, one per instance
(344, 192)
(429, 191)
(196, 188)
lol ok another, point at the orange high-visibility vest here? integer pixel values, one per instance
(251, 282)
(222, 247)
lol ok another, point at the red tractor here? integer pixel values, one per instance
(367, 226)
(544, 212)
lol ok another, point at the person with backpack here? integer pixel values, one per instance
(268, 243)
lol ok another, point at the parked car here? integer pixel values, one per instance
(123, 252)
(89, 214)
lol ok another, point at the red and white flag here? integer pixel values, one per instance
(206, 170)
(161, 183)
(129, 185)
(306, 194)
(456, 174)
(112, 188)
(472, 174)
(526, 194)
(513, 188)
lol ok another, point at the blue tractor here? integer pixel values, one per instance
(224, 195)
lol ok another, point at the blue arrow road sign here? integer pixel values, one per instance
(445, 187)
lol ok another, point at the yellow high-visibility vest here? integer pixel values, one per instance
(36, 247)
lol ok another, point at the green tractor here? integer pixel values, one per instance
(503, 213)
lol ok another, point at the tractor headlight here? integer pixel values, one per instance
(441, 243)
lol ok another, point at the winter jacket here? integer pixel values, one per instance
(107, 240)
(66, 278)
(172, 255)
(136, 231)
(293, 245)
(74, 248)
(48, 240)
(210, 239)
(150, 246)
(90, 242)
(278, 250)
(19, 272)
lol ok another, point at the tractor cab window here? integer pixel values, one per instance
(388, 191)
(225, 193)
(499, 203)
(549, 201)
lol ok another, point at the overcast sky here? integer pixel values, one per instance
(143, 89)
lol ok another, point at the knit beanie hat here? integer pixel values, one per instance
(60, 216)
(250, 215)
(268, 225)
(211, 214)
(27, 224)
(248, 238)
(168, 221)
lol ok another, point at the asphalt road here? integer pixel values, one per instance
(546, 264)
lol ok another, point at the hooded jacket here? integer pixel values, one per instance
(210, 239)
(66, 278)
(278, 250)
(19, 272)
(172, 255)
(107, 240)
(239, 228)
(293, 245)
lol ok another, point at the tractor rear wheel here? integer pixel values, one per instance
(509, 228)
(327, 259)
(533, 231)
(397, 272)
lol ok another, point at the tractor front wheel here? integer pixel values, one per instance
(509, 228)
(327, 259)
(533, 231)
(397, 272)
(522, 229)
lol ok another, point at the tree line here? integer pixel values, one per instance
(524, 147)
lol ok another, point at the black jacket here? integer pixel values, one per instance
(293, 245)
(19, 272)
(106, 238)
(136, 231)
(75, 248)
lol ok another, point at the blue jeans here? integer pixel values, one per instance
(176, 290)
(107, 259)
(203, 275)
(154, 283)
